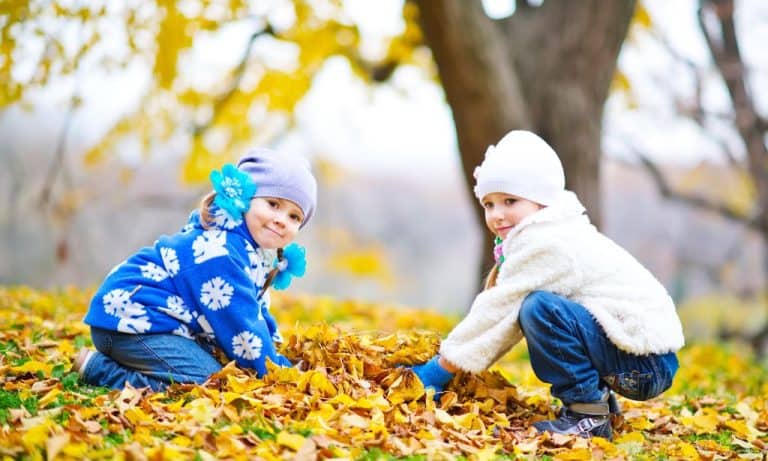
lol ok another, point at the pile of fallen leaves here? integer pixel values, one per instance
(347, 397)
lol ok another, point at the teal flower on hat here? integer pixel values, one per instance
(292, 264)
(234, 190)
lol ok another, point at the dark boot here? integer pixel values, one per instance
(590, 419)
(613, 404)
(617, 418)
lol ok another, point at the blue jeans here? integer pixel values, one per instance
(569, 350)
(154, 360)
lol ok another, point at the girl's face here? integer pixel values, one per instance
(273, 222)
(504, 211)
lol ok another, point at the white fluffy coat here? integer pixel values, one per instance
(558, 250)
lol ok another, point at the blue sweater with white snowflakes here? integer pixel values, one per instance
(197, 282)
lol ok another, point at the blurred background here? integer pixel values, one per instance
(112, 114)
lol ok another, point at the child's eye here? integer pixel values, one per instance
(296, 217)
(510, 201)
(487, 205)
(273, 203)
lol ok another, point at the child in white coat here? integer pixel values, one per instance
(593, 317)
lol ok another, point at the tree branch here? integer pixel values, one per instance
(730, 63)
(239, 71)
(702, 203)
(58, 156)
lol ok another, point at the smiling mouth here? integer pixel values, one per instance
(275, 232)
(503, 229)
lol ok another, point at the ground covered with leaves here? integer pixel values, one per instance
(347, 398)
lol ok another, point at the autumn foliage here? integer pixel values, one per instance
(347, 397)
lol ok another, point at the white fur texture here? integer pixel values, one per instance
(558, 250)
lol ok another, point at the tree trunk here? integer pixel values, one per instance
(547, 69)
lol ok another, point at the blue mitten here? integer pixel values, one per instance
(433, 375)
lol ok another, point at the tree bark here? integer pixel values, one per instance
(547, 69)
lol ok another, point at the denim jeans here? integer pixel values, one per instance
(154, 360)
(570, 350)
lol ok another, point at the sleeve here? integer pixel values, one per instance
(228, 300)
(491, 327)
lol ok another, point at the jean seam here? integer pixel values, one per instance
(656, 376)
(558, 350)
(172, 370)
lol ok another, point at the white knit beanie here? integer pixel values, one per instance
(521, 164)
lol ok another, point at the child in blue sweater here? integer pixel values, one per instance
(156, 315)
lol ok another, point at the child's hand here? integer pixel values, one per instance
(433, 375)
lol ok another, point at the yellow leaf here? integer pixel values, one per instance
(705, 421)
(54, 444)
(316, 382)
(199, 162)
(75, 450)
(620, 82)
(49, 397)
(242, 384)
(33, 366)
(444, 418)
(631, 437)
(578, 454)
(283, 89)
(526, 447)
(173, 36)
(66, 348)
(292, 441)
(687, 451)
(321, 417)
(364, 262)
(405, 388)
(641, 17)
(609, 449)
(201, 410)
(137, 416)
(486, 454)
(354, 420)
(36, 436)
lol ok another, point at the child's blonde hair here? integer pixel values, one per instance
(206, 219)
(490, 279)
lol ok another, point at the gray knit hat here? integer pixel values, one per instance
(283, 176)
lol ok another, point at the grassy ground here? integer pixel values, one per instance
(349, 400)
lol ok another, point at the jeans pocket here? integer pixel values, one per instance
(633, 385)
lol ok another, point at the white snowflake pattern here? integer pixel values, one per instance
(183, 331)
(205, 325)
(170, 260)
(247, 345)
(132, 315)
(153, 272)
(210, 244)
(116, 301)
(215, 294)
(134, 325)
(260, 264)
(223, 220)
(177, 309)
